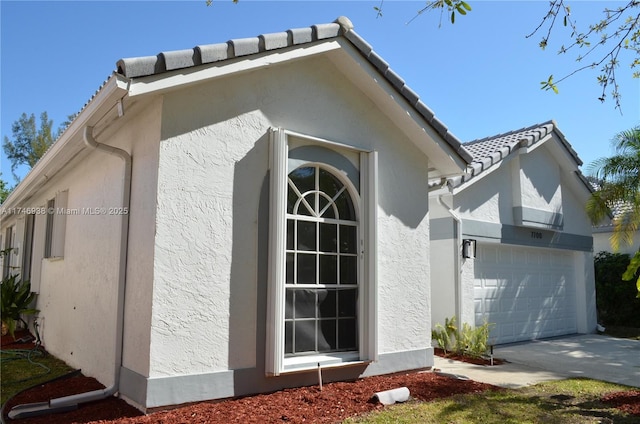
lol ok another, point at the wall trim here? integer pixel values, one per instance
(538, 218)
(442, 229)
(492, 232)
(133, 386)
(166, 391)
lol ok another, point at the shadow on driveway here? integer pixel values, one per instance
(592, 356)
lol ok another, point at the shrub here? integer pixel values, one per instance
(468, 340)
(615, 298)
(445, 336)
(16, 298)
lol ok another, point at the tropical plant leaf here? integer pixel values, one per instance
(16, 299)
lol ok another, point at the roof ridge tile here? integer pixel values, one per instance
(342, 26)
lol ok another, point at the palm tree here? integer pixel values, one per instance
(618, 193)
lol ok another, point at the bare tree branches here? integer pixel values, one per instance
(604, 41)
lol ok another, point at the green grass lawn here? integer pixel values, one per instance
(19, 370)
(573, 401)
(569, 401)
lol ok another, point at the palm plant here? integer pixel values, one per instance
(16, 300)
(618, 193)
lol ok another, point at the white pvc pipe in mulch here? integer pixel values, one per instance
(389, 397)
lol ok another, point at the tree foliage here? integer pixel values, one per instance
(614, 295)
(598, 46)
(618, 193)
(4, 190)
(29, 142)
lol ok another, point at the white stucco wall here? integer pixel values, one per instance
(585, 292)
(77, 293)
(490, 198)
(212, 174)
(77, 296)
(539, 178)
(444, 262)
(602, 243)
(467, 285)
(404, 271)
(144, 134)
(576, 220)
(532, 180)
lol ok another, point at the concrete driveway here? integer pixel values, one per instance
(591, 356)
(587, 355)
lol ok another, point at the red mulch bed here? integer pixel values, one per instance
(628, 402)
(334, 403)
(471, 360)
(16, 342)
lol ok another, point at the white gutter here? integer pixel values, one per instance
(71, 402)
(57, 155)
(122, 277)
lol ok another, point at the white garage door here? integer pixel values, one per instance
(529, 293)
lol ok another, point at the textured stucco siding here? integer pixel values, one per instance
(444, 258)
(489, 199)
(575, 220)
(532, 181)
(77, 293)
(536, 183)
(443, 270)
(540, 186)
(602, 243)
(212, 214)
(404, 294)
(200, 225)
(145, 138)
(585, 292)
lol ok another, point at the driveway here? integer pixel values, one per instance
(591, 355)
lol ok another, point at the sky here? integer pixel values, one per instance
(481, 76)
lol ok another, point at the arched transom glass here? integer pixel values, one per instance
(321, 264)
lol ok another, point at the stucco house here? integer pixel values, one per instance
(603, 232)
(511, 243)
(227, 219)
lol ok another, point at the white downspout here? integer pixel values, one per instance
(457, 257)
(122, 278)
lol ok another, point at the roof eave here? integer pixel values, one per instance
(451, 160)
(172, 80)
(69, 143)
(173, 69)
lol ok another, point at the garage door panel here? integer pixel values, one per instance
(521, 305)
(507, 332)
(490, 256)
(491, 306)
(527, 293)
(519, 257)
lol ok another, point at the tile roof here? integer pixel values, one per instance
(342, 27)
(489, 151)
(211, 53)
(206, 54)
(617, 210)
